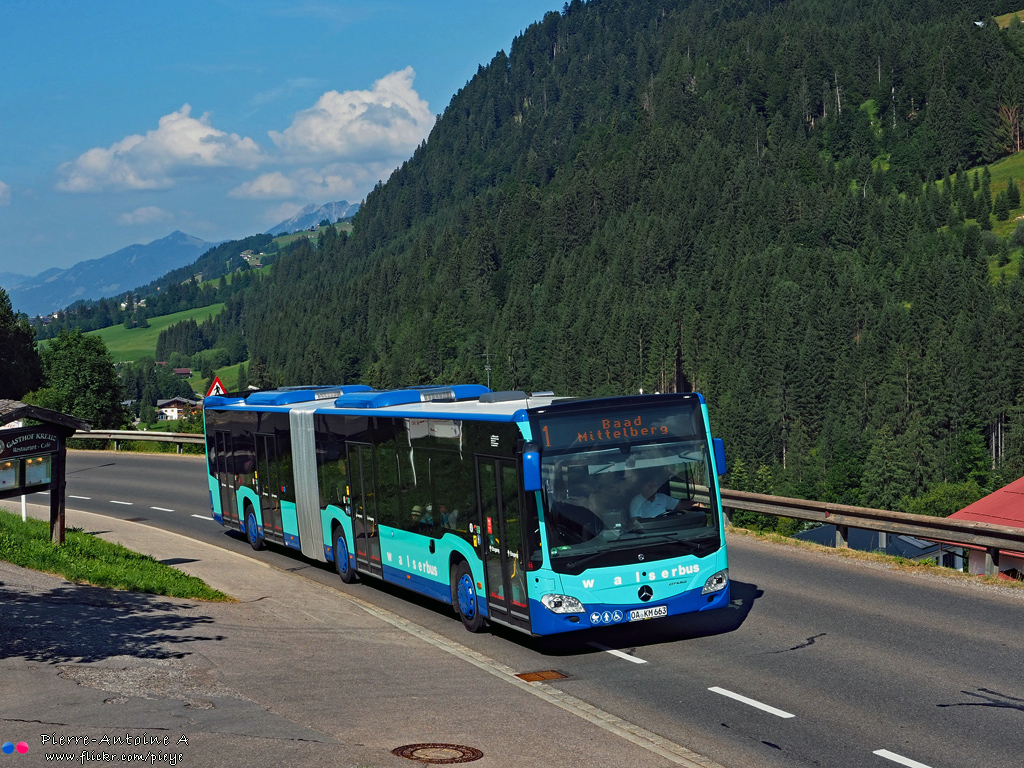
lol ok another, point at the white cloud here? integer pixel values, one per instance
(5, 194)
(389, 120)
(334, 181)
(266, 186)
(150, 214)
(150, 162)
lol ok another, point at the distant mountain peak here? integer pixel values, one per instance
(313, 214)
(106, 276)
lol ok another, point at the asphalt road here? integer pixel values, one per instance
(818, 661)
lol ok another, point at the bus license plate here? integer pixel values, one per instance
(654, 612)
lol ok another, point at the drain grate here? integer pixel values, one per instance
(438, 754)
(536, 677)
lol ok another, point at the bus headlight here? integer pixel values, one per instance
(562, 604)
(716, 582)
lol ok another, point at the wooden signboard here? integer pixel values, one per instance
(33, 458)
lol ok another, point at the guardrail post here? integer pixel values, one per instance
(116, 443)
(727, 514)
(842, 536)
(991, 561)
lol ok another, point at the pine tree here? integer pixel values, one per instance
(886, 478)
(1012, 194)
(1001, 207)
(983, 200)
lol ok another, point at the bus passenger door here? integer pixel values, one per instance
(501, 541)
(223, 467)
(364, 509)
(269, 487)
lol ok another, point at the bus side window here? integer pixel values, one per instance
(332, 470)
(389, 482)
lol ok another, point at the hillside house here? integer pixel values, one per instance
(175, 408)
(1002, 507)
(185, 373)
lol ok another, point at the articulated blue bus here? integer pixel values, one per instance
(541, 513)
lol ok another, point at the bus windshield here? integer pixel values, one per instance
(610, 505)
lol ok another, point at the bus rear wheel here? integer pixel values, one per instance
(252, 531)
(342, 564)
(466, 602)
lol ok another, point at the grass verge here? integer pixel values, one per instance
(85, 559)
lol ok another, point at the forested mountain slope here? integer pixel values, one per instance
(734, 197)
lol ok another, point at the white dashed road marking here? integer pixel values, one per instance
(620, 654)
(752, 702)
(125, 503)
(899, 759)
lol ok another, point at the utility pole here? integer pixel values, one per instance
(487, 366)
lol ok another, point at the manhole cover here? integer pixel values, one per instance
(439, 754)
(536, 677)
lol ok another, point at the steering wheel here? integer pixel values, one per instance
(669, 512)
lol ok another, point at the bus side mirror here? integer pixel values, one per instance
(531, 471)
(720, 455)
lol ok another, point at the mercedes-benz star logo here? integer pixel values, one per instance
(645, 593)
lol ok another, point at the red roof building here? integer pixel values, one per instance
(1003, 507)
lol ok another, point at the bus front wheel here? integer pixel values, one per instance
(466, 602)
(252, 531)
(342, 564)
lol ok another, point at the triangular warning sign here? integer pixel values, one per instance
(217, 388)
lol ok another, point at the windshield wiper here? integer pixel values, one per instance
(576, 566)
(638, 538)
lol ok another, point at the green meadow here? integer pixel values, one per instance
(1004, 20)
(132, 344)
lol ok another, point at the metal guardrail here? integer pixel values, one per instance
(992, 538)
(122, 435)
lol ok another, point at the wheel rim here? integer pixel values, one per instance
(250, 527)
(467, 596)
(341, 555)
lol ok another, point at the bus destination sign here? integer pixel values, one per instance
(596, 428)
(28, 443)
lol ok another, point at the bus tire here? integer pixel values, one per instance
(342, 563)
(252, 531)
(466, 601)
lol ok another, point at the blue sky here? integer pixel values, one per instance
(121, 122)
